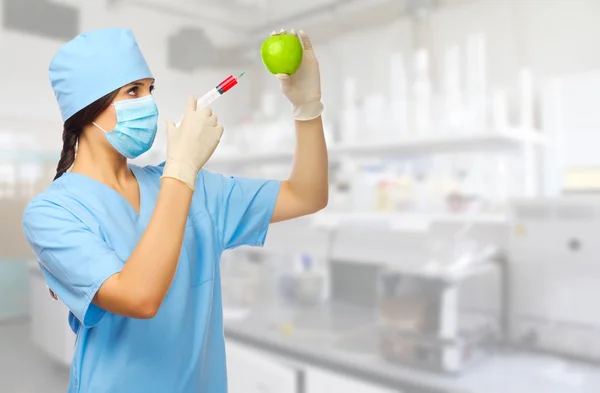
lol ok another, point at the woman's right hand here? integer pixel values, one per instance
(191, 144)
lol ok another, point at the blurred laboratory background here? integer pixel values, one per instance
(460, 251)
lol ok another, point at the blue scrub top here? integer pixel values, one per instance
(82, 232)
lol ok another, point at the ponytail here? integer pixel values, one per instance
(67, 155)
(74, 127)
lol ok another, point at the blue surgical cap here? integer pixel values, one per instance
(94, 64)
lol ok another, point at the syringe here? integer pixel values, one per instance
(218, 91)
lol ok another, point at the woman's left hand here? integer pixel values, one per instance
(303, 89)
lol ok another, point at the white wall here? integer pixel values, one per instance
(27, 102)
(559, 36)
(551, 36)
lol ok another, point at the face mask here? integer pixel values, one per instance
(137, 123)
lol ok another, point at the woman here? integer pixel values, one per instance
(134, 252)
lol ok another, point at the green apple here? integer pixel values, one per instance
(282, 53)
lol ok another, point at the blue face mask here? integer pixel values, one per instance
(137, 123)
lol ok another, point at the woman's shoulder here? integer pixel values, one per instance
(68, 198)
(56, 197)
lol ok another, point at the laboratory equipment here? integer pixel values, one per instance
(422, 93)
(397, 78)
(398, 105)
(437, 293)
(453, 105)
(299, 252)
(219, 90)
(307, 281)
(269, 104)
(364, 187)
(426, 322)
(499, 110)
(476, 77)
(374, 117)
(241, 273)
(349, 114)
(526, 99)
(553, 259)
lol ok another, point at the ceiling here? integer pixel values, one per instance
(252, 19)
(249, 20)
(259, 12)
(234, 14)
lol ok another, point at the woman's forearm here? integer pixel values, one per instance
(140, 288)
(309, 179)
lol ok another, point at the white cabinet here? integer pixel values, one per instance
(321, 381)
(50, 329)
(13, 290)
(251, 371)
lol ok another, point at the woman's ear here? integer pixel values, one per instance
(107, 120)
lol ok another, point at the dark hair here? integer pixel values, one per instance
(73, 128)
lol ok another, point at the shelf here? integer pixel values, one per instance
(29, 156)
(402, 221)
(251, 159)
(447, 274)
(490, 141)
(484, 141)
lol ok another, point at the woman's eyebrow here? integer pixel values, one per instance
(136, 84)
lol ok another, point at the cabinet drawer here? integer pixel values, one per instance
(250, 371)
(322, 381)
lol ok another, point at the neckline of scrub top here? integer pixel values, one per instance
(136, 173)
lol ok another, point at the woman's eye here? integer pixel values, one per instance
(132, 91)
(152, 89)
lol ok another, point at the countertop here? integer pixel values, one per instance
(343, 340)
(312, 336)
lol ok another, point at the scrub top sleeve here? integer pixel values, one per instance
(245, 209)
(74, 261)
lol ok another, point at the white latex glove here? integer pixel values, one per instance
(191, 144)
(303, 89)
